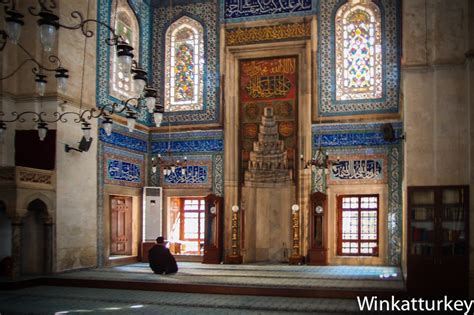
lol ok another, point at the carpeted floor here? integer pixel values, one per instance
(273, 276)
(70, 300)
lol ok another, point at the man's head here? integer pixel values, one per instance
(160, 240)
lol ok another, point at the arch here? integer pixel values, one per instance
(36, 239)
(37, 198)
(358, 51)
(38, 205)
(184, 65)
(126, 24)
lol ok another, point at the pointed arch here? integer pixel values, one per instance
(358, 43)
(39, 201)
(126, 24)
(184, 65)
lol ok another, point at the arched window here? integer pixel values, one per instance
(126, 25)
(184, 66)
(358, 51)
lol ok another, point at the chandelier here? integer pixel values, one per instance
(320, 160)
(49, 24)
(167, 164)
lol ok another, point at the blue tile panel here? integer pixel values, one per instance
(123, 141)
(123, 171)
(205, 147)
(212, 134)
(142, 11)
(352, 135)
(389, 103)
(213, 145)
(195, 175)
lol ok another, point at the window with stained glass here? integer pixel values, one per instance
(126, 25)
(358, 225)
(358, 51)
(184, 66)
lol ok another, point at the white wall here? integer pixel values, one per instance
(76, 199)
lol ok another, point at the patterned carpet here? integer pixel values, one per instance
(73, 300)
(273, 276)
(69, 300)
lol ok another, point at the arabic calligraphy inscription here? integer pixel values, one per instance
(358, 169)
(122, 172)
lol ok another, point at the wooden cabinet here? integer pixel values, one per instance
(438, 234)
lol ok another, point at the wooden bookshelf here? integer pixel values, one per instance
(438, 257)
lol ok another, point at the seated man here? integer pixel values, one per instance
(160, 258)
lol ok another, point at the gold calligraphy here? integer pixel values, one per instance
(239, 36)
(286, 66)
(263, 67)
(268, 86)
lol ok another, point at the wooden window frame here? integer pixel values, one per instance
(183, 218)
(359, 241)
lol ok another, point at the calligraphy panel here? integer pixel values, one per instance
(269, 82)
(358, 169)
(259, 34)
(198, 175)
(239, 9)
(124, 171)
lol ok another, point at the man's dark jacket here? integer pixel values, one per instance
(161, 260)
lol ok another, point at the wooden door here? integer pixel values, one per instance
(121, 225)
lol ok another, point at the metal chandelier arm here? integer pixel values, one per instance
(40, 117)
(112, 41)
(16, 70)
(9, 2)
(37, 117)
(43, 7)
(52, 59)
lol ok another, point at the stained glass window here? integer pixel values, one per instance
(184, 66)
(126, 25)
(358, 51)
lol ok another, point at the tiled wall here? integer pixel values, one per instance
(206, 13)
(204, 152)
(142, 11)
(389, 103)
(361, 143)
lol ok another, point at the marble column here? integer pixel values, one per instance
(17, 225)
(48, 247)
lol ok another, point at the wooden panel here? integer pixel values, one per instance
(121, 225)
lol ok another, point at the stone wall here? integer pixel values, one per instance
(76, 186)
(437, 85)
(76, 200)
